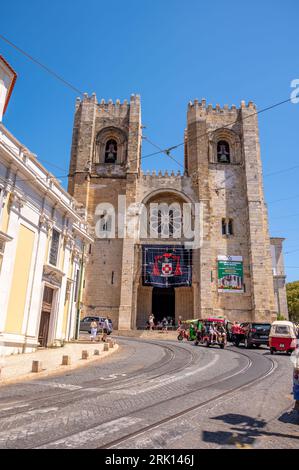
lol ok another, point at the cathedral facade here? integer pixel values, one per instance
(191, 244)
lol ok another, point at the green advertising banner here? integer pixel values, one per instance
(230, 274)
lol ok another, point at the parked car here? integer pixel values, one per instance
(86, 321)
(254, 334)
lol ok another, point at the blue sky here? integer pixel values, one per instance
(170, 52)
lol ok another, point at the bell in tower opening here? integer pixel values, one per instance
(111, 151)
(223, 154)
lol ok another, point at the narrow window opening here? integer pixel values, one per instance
(223, 152)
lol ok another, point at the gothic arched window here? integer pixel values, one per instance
(223, 152)
(111, 151)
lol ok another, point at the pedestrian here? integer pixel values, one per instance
(151, 320)
(164, 324)
(199, 330)
(93, 330)
(107, 328)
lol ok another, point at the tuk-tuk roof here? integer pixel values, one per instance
(215, 319)
(291, 328)
(283, 322)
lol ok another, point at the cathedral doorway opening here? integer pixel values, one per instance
(163, 303)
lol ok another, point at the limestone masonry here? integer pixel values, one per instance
(223, 174)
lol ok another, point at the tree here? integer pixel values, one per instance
(293, 300)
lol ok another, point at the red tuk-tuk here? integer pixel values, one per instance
(282, 337)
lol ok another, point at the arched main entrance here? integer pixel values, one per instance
(163, 303)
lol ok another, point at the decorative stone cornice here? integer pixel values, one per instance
(45, 223)
(53, 275)
(17, 200)
(76, 255)
(4, 237)
(68, 239)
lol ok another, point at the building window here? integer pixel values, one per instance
(166, 222)
(2, 246)
(223, 152)
(227, 227)
(54, 250)
(69, 283)
(77, 285)
(111, 151)
(105, 223)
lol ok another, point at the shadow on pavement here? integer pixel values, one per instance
(245, 430)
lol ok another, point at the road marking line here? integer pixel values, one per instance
(41, 411)
(59, 385)
(93, 434)
(14, 407)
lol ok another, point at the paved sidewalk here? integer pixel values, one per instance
(17, 367)
(147, 334)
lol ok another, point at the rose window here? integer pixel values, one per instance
(166, 222)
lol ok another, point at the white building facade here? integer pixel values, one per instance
(44, 242)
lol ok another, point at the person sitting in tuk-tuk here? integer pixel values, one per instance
(213, 333)
(221, 333)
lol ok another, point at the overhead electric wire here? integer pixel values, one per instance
(167, 152)
(267, 108)
(40, 64)
(46, 68)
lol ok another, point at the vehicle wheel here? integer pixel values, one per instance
(271, 351)
(257, 345)
(289, 353)
(180, 337)
(222, 346)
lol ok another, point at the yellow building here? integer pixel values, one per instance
(43, 245)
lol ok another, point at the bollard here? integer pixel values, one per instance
(66, 361)
(106, 347)
(36, 366)
(96, 352)
(85, 354)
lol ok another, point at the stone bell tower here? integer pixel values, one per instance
(105, 164)
(222, 158)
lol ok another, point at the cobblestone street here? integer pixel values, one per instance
(157, 394)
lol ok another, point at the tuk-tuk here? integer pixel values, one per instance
(282, 337)
(187, 330)
(207, 338)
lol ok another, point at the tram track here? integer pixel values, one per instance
(190, 409)
(104, 388)
(168, 401)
